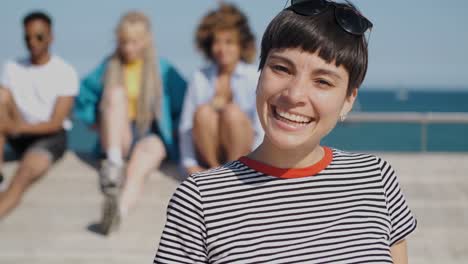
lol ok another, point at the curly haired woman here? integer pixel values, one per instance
(219, 121)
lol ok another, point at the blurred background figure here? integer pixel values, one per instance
(219, 121)
(36, 96)
(134, 100)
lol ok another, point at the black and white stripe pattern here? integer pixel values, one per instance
(350, 212)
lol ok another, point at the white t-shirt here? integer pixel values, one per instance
(35, 88)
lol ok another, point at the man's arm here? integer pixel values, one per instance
(62, 109)
(399, 252)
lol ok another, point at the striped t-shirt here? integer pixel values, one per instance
(347, 208)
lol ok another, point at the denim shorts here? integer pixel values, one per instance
(136, 137)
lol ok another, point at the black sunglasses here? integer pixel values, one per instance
(39, 37)
(347, 17)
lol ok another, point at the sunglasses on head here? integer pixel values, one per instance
(347, 17)
(39, 37)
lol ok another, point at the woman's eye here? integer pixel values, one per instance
(280, 68)
(322, 82)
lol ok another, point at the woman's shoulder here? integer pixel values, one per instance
(201, 77)
(100, 68)
(342, 157)
(225, 172)
(345, 154)
(165, 65)
(205, 71)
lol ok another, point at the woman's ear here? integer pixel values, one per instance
(349, 102)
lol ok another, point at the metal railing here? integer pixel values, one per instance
(424, 119)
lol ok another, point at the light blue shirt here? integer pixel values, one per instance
(202, 89)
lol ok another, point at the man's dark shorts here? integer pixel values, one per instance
(54, 144)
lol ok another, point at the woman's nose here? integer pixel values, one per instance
(296, 91)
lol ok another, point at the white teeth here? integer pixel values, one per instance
(293, 117)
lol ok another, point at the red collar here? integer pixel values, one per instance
(292, 172)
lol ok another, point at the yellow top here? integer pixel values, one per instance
(132, 80)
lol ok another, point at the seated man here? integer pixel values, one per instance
(36, 96)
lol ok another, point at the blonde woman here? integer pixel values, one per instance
(133, 101)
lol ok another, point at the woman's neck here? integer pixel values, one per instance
(283, 158)
(226, 69)
(134, 62)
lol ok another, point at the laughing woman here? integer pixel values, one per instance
(293, 200)
(135, 102)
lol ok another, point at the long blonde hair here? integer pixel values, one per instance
(149, 101)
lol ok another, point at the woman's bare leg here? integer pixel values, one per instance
(115, 132)
(206, 135)
(147, 156)
(116, 138)
(236, 132)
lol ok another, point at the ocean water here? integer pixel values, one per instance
(412, 101)
(403, 136)
(374, 136)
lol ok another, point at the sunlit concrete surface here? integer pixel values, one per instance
(54, 224)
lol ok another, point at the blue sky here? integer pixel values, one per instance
(414, 44)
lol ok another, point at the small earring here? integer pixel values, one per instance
(343, 117)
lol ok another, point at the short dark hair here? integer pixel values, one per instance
(37, 15)
(318, 33)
